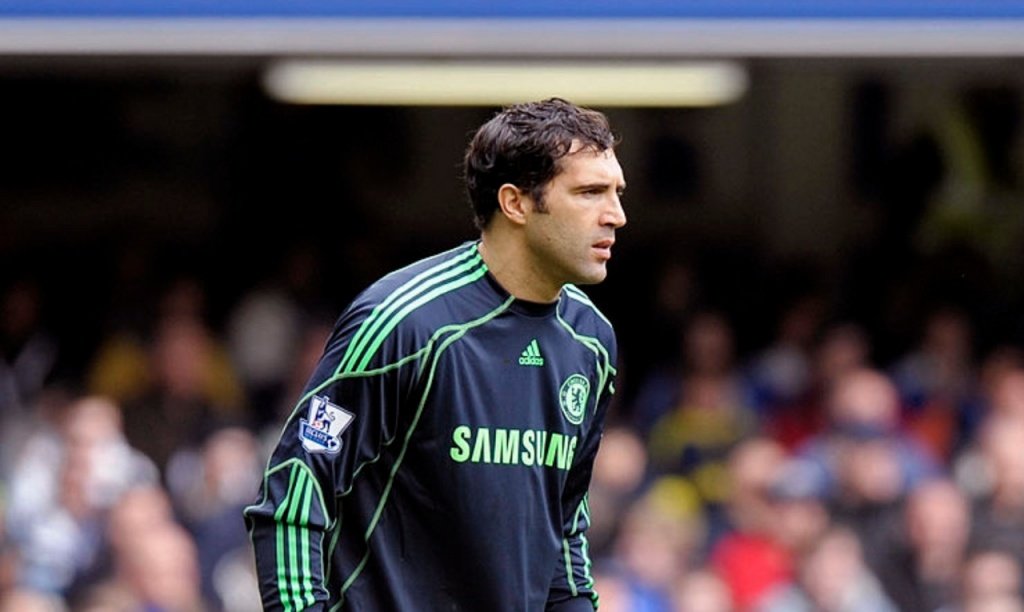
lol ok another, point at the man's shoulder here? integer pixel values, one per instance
(419, 294)
(393, 318)
(429, 274)
(579, 308)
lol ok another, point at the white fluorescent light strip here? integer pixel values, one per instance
(664, 84)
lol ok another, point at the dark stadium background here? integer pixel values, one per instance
(818, 178)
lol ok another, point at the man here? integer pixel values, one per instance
(440, 456)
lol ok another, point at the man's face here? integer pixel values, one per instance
(571, 237)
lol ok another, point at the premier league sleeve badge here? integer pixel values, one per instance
(321, 431)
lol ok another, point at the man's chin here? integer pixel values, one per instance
(592, 276)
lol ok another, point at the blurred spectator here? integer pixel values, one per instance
(1006, 394)
(674, 294)
(620, 472)
(28, 352)
(175, 382)
(194, 390)
(999, 510)
(920, 556)
(314, 337)
(838, 349)
(695, 439)
(937, 384)
(616, 594)
(122, 367)
(210, 488)
(235, 582)
(832, 577)
(153, 563)
(868, 485)
(263, 336)
(35, 448)
(118, 368)
(25, 600)
(312, 341)
(842, 348)
(863, 452)
(155, 572)
(1000, 361)
(660, 537)
(1004, 398)
(797, 492)
(699, 412)
(58, 507)
(781, 374)
(265, 330)
(992, 579)
(8, 556)
(139, 510)
(748, 556)
(708, 354)
(702, 591)
(869, 463)
(939, 522)
(162, 572)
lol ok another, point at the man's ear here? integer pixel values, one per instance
(513, 203)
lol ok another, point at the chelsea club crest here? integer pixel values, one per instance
(573, 398)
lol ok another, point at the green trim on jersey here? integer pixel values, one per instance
(458, 331)
(294, 572)
(605, 369)
(473, 274)
(581, 510)
(577, 294)
(387, 315)
(585, 544)
(568, 567)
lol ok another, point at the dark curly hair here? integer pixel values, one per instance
(522, 145)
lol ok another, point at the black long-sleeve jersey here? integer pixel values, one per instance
(440, 456)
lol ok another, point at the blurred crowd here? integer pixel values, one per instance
(800, 476)
(808, 478)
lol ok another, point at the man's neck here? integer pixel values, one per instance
(507, 260)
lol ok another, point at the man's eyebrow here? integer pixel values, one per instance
(595, 185)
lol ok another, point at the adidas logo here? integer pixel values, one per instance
(531, 355)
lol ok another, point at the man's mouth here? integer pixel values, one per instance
(604, 247)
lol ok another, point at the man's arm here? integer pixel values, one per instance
(576, 604)
(573, 586)
(287, 528)
(336, 429)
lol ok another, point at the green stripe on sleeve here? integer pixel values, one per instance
(574, 292)
(282, 576)
(568, 568)
(415, 285)
(468, 278)
(282, 567)
(307, 573)
(293, 544)
(585, 544)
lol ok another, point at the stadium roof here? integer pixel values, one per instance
(515, 28)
